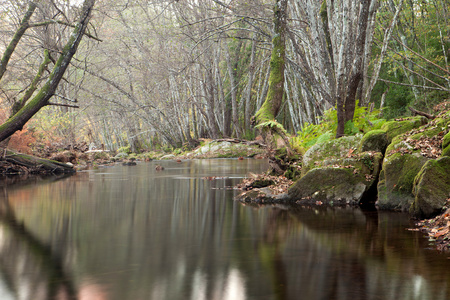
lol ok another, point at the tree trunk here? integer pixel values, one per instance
(17, 121)
(346, 101)
(272, 104)
(24, 25)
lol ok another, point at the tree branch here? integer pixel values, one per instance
(61, 104)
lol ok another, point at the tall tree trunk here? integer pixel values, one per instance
(346, 99)
(248, 96)
(231, 68)
(272, 104)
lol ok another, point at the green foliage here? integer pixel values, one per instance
(312, 134)
(272, 125)
(422, 31)
(101, 156)
(126, 149)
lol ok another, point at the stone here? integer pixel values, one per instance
(120, 155)
(446, 145)
(338, 184)
(261, 196)
(329, 150)
(374, 140)
(395, 128)
(397, 179)
(431, 188)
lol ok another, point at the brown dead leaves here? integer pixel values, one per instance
(430, 147)
(438, 230)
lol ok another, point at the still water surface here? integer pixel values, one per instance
(131, 232)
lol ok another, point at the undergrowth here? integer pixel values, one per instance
(311, 134)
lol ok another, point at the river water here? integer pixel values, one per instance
(131, 232)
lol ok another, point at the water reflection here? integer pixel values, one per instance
(135, 233)
(30, 270)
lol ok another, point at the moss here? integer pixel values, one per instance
(337, 148)
(329, 185)
(374, 140)
(446, 151)
(446, 141)
(292, 173)
(431, 188)
(397, 180)
(395, 128)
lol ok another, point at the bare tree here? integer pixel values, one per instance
(47, 90)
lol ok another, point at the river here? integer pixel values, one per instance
(131, 232)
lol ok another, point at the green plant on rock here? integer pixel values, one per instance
(312, 134)
(125, 149)
(367, 160)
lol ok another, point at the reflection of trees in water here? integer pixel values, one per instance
(153, 238)
(29, 268)
(340, 254)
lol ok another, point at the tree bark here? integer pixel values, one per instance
(17, 121)
(271, 106)
(24, 25)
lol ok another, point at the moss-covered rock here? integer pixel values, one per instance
(446, 145)
(338, 183)
(321, 154)
(395, 128)
(446, 151)
(431, 188)
(329, 186)
(397, 179)
(374, 140)
(261, 196)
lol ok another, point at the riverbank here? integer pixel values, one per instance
(345, 171)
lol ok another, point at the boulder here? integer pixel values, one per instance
(446, 141)
(395, 128)
(347, 181)
(397, 179)
(431, 188)
(446, 145)
(120, 155)
(405, 157)
(374, 140)
(224, 149)
(327, 152)
(261, 196)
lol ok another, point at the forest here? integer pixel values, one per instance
(162, 75)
